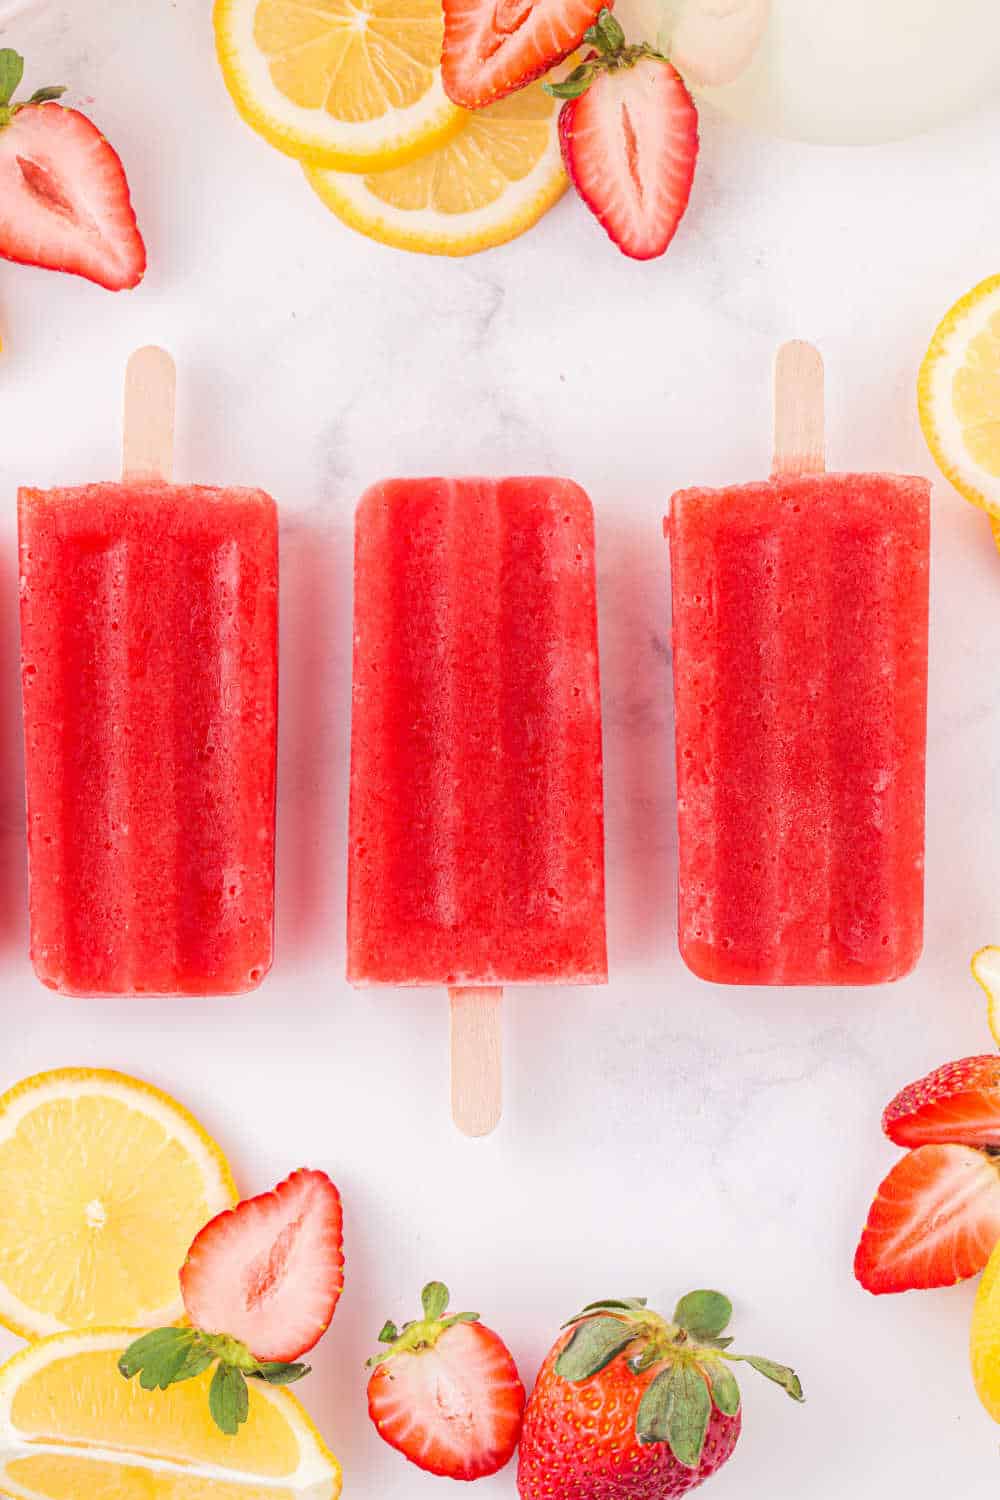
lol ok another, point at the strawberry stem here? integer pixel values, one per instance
(607, 36)
(424, 1332)
(11, 74)
(167, 1356)
(677, 1403)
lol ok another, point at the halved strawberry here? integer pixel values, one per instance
(492, 47)
(958, 1103)
(446, 1393)
(935, 1220)
(629, 136)
(64, 198)
(269, 1272)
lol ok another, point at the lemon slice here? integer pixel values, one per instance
(487, 185)
(986, 970)
(71, 1426)
(104, 1183)
(959, 396)
(352, 84)
(984, 1337)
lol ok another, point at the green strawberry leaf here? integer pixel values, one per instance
(160, 1358)
(676, 1409)
(11, 73)
(594, 1345)
(435, 1300)
(780, 1374)
(389, 1334)
(573, 85)
(275, 1372)
(704, 1314)
(197, 1362)
(652, 1420)
(627, 1304)
(150, 1345)
(228, 1399)
(45, 96)
(605, 34)
(612, 1304)
(166, 1356)
(690, 1410)
(716, 1343)
(725, 1390)
(459, 1318)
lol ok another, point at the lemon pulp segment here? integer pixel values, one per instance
(105, 1183)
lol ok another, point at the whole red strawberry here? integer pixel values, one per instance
(630, 1405)
(446, 1392)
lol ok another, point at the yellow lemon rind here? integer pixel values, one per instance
(980, 968)
(375, 145)
(319, 1476)
(361, 210)
(941, 429)
(984, 1339)
(24, 1097)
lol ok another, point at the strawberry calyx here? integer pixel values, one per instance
(423, 1333)
(11, 73)
(611, 54)
(688, 1357)
(167, 1356)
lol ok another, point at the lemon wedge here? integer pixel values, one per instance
(105, 1181)
(485, 186)
(351, 84)
(959, 396)
(71, 1426)
(986, 971)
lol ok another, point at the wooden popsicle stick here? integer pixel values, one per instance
(476, 1060)
(799, 418)
(148, 431)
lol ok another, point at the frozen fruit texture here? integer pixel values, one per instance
(800, 670)
(149, 672)
(477, 835)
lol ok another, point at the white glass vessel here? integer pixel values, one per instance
(855, 71)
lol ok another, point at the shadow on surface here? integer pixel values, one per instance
(313, 738)
(640, 795)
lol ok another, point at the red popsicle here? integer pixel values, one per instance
(477, 838)
(149, 668)
(800, 671)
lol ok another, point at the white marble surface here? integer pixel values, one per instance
(659, 1134)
